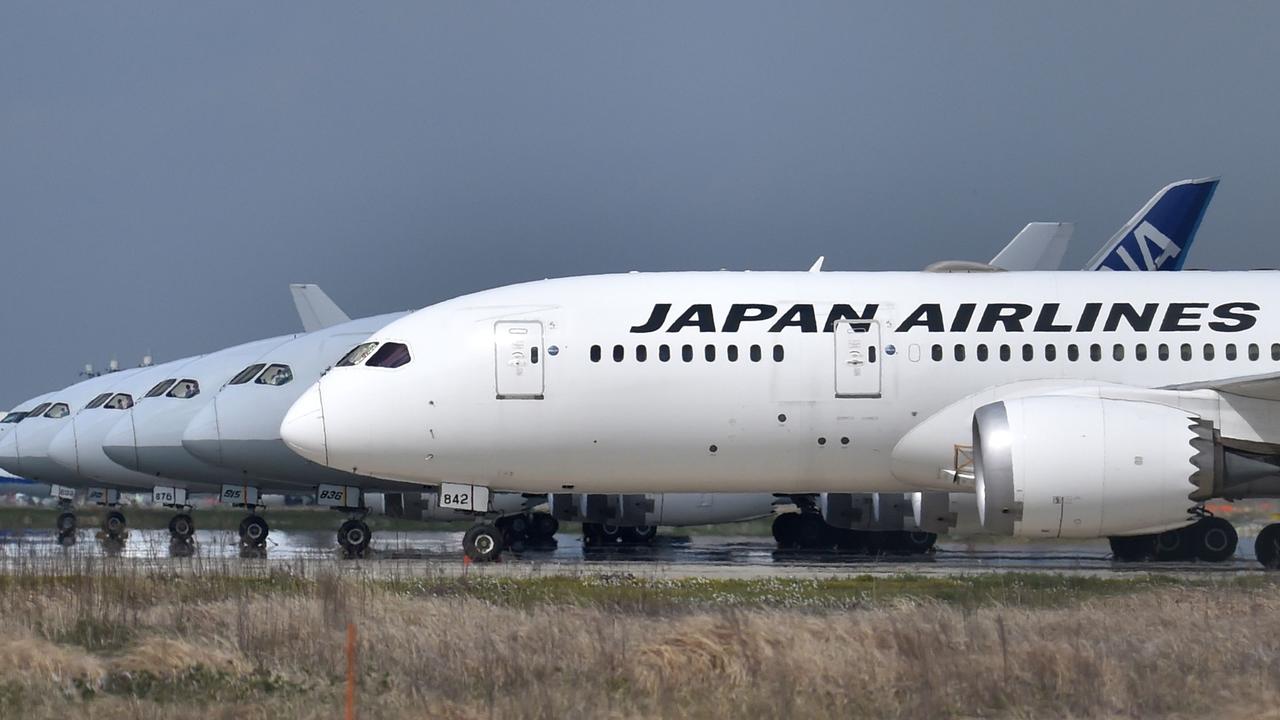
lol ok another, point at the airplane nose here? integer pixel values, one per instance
(121, 444)
(303, 427)
(9, 458)
(63, 448)
(202, 437)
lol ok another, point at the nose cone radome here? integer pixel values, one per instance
(121, 445)
(9, 459)
(202, 438)
(303, 428)
(62, 449)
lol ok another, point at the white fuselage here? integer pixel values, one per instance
(475, 405)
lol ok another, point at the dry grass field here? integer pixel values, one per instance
(84, 638)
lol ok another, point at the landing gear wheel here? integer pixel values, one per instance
(643, 535)
(1217, 540)
(114, 525)
(592, 537)
(786, 529)
(354, 537)
(610, 534)
(1267, 547)
(483, 543)
(182, 527)
(1133, 548)
(519, 525)
(543, 527)
(254, 531)
(851, 541)
(66, 523)
(917, 542)
(67, 539)
(814, 533)
(1178, 544)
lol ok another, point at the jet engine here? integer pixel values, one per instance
(1070, 466)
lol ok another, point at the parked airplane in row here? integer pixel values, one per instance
(169, 435)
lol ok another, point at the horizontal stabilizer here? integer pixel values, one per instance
(315, 309)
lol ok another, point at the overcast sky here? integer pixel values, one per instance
(166, 169)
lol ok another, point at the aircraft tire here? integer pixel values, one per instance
(114, 524)
(786, 529)
(1267, 547)
(354, 537)
(813, 533)
(483, 543)
(1178, 544)
(643, 535)
(182, 527)
(66, 522)
(1133, 548)
(543, 527)
(1216, 540)
(852, 541)
(917, 542)
(254, 531)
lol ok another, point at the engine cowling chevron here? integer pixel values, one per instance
(1071, 466)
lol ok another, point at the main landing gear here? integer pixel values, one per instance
(1209, 539)
(253, 535)
(597, 535)
(808, 531)
(182, 535)
(1267, 547)
(485, 541)
(354, 535)
(66, 524)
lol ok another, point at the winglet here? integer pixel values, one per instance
(817, 264)
(315, 309)
(1159, 236)
(1040, 246)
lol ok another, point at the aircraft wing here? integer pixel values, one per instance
(315, 309)
(1040, 246)
(1264, 386)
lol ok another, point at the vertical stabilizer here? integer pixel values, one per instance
(315, 309)
(1159, 236)
(1040, 246)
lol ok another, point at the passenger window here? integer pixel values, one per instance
(710, 353)
(1186, 351)
(1050, 352)
(936, 353)
(97, 402)
(755, 353)
(247, 374)
(1095, 352)
(1230, 351)
(982, 353)
(275, 375)
(1163, 351)
(1005, 353)
(390, 355)
(732, 353)
(1208, 351)
(1253, 351)
(618, 353)
(1140, 351)
(184, 389)
(357, 354)
(1117, 352)
(1028, 353)
(59, 410)
(959, 350)
(642, 353)
(664, 352)
(1275, 351)
(161, 388)
(686, 353)
(122, 401)
(595, 353)
(1073, 352)
(777, 354)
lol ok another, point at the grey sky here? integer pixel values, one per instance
(167, 168)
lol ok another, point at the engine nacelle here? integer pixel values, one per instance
(1084, 467)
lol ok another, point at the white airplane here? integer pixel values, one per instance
(1091, 404)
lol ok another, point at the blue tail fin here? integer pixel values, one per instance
(1159, 236)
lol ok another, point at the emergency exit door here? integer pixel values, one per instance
(858, 358)
(519, 359)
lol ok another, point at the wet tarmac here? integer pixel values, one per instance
(676, 556)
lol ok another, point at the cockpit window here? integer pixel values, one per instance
(121, 401)
(97, 402)
(357, 354)
(246, 374)
(390, 355)
(184, 389)
(161, 388)
(13, 417)
(38, 410)
(59, 410)
(275, 375)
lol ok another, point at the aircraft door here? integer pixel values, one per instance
(518, 356)
(858, 358)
